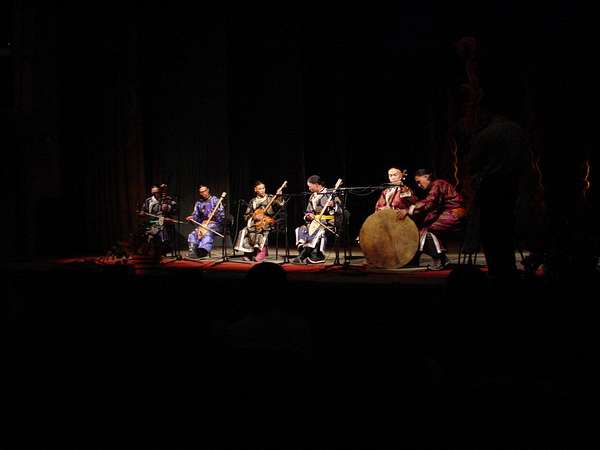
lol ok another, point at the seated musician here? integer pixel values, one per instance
(323, 214)
(443, 209)
(252, 239)
(158, 208)
(201, 240)
(398, 196)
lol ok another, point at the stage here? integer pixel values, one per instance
(345, 276)
(350, 268)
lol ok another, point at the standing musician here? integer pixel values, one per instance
(323, 215)
(210, 214)
(252, 239)
(159, 208)
(399, 196)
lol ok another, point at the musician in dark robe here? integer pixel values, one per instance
(442, 210)
(200, 244)
(158, 208)
(323, 216)
(259, 218)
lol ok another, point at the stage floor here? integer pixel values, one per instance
(351, 269)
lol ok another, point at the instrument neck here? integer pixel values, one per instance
(275, 196)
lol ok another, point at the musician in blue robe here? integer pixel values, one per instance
(200, 244)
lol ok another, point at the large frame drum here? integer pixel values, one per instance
(389, 242)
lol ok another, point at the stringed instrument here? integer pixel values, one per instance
(260, 220)
(161, 219)
(317, 221)
(400, 188)
(203, 227)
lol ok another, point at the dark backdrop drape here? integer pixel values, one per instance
(107, 100)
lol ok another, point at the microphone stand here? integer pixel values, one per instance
(336, 261)
(283, 211)
(288, 197)
(174, 233)
(347, 242)
(286, 257)
(237, 224)
(178, 233)
(224, 257)
(346, 221)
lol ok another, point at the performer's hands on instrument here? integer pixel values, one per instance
(310, 216)
(329, 204)
(401, 213)
(165, 207)
(189, 218)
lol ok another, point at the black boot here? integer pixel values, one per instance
(316, 257)
(416, 261)
(192, 253)
(439, 262)
(302, 257)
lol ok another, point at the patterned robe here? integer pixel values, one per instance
(202, 210)
(396, 197)
(250, 237)
(316, 204)
(154, 206)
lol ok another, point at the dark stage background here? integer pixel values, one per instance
(101, 100)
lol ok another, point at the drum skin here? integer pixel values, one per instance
(388, 242)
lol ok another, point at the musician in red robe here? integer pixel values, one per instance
(443, 211)
(398, 196)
